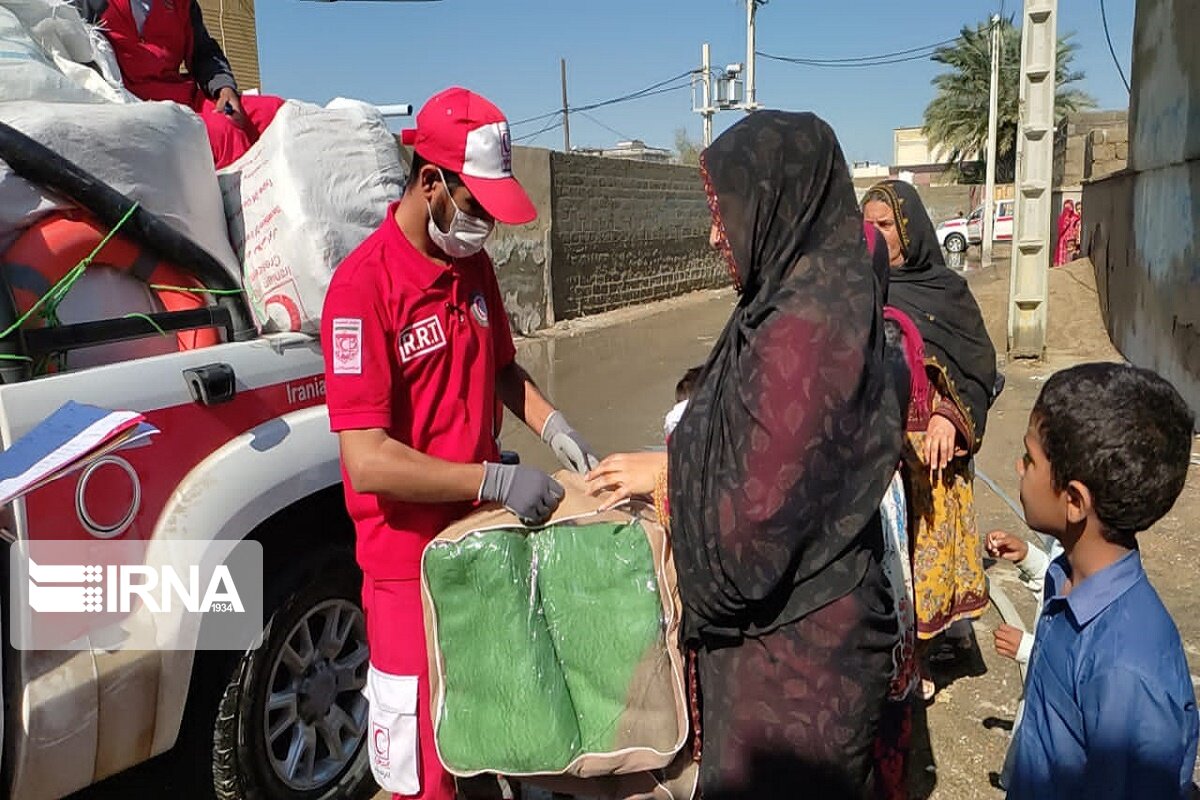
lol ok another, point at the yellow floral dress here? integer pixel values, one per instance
(947, 547)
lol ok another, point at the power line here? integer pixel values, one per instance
(538, 118)
(554, 125)
(1111, 49)
(924, 56)
(636, 96)
(649, 91)
(608, 128)
(865, 61)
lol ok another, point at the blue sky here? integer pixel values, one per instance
(509, 50)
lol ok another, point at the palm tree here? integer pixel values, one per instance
(957, 118)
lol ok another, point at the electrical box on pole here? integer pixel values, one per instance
(730, 89)
(1032, 240)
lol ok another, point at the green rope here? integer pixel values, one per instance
(47, 304)
(149, 319)
(59, 290)
(164, 288)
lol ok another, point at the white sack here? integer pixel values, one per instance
(157, 153)
(46, 50)
(312, 189)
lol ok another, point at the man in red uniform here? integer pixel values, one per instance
(417, 350)
(152, 38)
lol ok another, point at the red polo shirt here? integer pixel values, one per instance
(412, 347)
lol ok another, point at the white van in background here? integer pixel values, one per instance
(955, 234)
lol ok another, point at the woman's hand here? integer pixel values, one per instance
(941, 443)
(626, 475)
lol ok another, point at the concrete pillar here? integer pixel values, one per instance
(1033, 239)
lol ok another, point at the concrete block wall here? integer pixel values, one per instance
(626, 232)
(1085, 146)
(1142, 223)
(609, 233)
(522, 254)
(1107, 151)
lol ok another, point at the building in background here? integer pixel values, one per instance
(633, 150)
(231, 23)
(869, 170)
(911, 153)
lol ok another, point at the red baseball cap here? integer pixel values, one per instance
(463, 132)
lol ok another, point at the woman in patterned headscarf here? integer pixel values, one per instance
(773, 480)
(946, 428)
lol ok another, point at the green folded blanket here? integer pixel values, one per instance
(551, 644)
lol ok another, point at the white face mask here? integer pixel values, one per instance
(466, 235)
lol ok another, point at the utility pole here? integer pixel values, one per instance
(751, 94)
(989, 192)
(706, 108)
(566, 113)
(1029, 285)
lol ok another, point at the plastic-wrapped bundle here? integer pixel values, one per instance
(554, 651)
(600, 599)
(498, 647)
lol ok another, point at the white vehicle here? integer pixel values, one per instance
(955, 234)
(244, 452)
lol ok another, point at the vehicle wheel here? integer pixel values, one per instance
(956, 243)
(292, 720)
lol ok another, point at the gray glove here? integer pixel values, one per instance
(529, 493)
(568, 446)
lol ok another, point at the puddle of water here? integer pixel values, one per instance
(616, 384)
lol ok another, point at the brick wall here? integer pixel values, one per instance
(231, 23)
(626, 232)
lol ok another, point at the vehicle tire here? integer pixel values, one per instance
(292, 721)
(956, 243)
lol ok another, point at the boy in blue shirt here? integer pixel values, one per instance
(1109, 707)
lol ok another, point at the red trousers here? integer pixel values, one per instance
(396, 635)
(230, 141)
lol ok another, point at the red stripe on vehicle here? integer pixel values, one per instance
(189, 433)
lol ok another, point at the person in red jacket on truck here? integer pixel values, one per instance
(152, 38)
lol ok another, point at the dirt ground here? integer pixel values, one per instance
(968, 724)
(960, 738)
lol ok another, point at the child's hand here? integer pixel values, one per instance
(1001, 544)
(1008, 640)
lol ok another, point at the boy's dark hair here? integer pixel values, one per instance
(418, 161)
(687, 384)
(1123, 432)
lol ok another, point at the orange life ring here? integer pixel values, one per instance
(49, 249)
